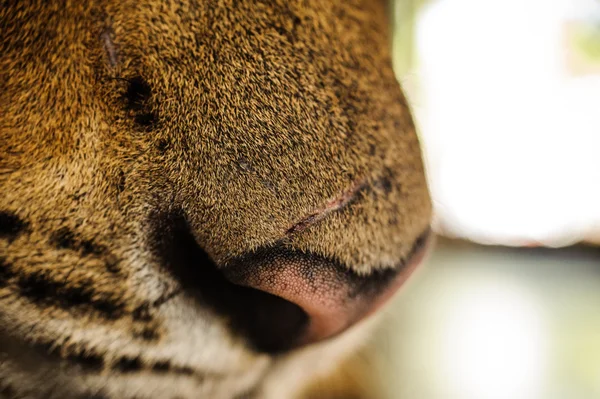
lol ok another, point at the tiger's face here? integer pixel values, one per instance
(199, 198)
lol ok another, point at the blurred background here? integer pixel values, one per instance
(506, 96)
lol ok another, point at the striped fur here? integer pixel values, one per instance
(134, 130)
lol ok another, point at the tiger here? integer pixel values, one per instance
(200, 199)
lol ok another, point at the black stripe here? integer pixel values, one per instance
(7, 391)
(134, 364)
(93, 362)
(161, 367)
(128, 365)
(148, 334)
(6, 272)
(86, 359)
(39, 287)
(64, 238)
(11, 225)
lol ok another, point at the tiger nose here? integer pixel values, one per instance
(302, 298)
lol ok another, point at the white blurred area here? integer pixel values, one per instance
(507, 100)
(506, 95)
(495, 323)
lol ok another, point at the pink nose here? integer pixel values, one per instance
(331, 297)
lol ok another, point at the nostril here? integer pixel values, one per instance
(277, 298)
(333, 297)
(270, 323)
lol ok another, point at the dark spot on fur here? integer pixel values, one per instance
(351, 129)
(7, 391)
(47, 348)
(110, 309)
(88, 247)
(86, 359)
(112, 264)
(39, 287)
(5, 272)
(161, 367)
(64, 238)
(36, 286)
(90, 361)
(134, 364)
(162, 145)
(296, 21)
(138, 96)
(78, 196)
(372, 149)
(121, 182)
(149, 331)
(138, 93)
(11, 225)
(289, 36)
(128, 364)
(182, 370)
(146, 119)
(148, 334)
(142, 313)
(385, 185)
(386, 181)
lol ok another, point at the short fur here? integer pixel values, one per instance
(244, 120)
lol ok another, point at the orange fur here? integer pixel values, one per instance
(244, 117)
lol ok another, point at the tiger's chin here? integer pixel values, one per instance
(323, 370)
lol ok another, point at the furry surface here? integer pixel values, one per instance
(245, 119)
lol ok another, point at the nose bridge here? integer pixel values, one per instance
(365, 219)
(284, 154)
